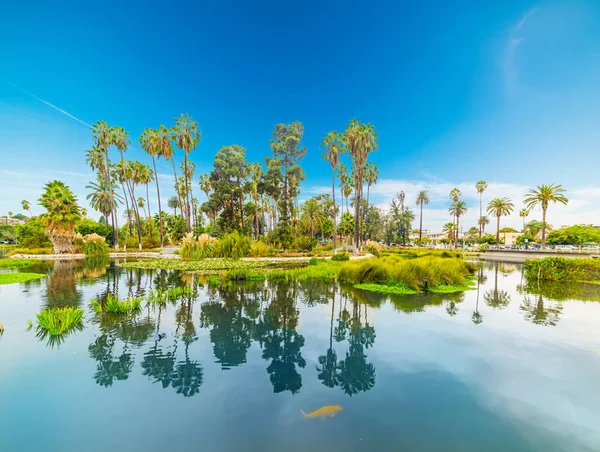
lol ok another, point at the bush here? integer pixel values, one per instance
(94, 245)
(374, 251)
(340, 257)
(304, 243)
(197, 248)
(89, 226)
(232, 246)
(314, 261)
(259, 249)
(33, 234)
(563, 269)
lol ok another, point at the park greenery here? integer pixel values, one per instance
(557, 268)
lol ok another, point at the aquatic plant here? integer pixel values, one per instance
(206, 265)
(18, 263)
(113, 304)
(13, 278)
(397, 289)
(58, 321)
(563, 269)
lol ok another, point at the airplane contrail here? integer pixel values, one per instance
(47, 103)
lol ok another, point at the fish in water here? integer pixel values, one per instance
(326, 411)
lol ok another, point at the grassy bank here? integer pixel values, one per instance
(563, 269)
(13, 278)
(17, 263)
(204, 266)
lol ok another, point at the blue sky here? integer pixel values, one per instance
(459, 91)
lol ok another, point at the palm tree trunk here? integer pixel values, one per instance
(187, 192)
(497, 229)
(356, 216)
(162, 234)
(421, 223)
(148, 202)
(137, 214)
(178, 196)
(334, 209)
(543, 228)
(457, 232)
(480, 214)
(115, 223)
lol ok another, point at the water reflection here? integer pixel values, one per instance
(498, 298)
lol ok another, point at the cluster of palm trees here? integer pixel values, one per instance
(541, 196)
(160, 142)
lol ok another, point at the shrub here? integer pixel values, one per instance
(33, 234)
(197, 248)
(259, 249)
(57, 321)
(94, 245)
(340, 257)
(232, 246)
(89, 226)
(563, 269)
(374, 251)
(365, 271)
(304, 243)
(314, 261)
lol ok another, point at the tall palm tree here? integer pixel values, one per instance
(524, 213)
(450, 229)
(62, 212)
(141, 204)
(422, 198)
(150, 141)
(147, 176)
(206, 187)
(481, 186)
(499, 207)
(360, 140)
(312, 213)
(458, 209)
(483, 222)
(344, 181)
(186, 136)
(26, 206)
(543, 196)
(103, 139)
(167, 151)
(332, 142)
(100, 195)
(173, 203)
(371, 175)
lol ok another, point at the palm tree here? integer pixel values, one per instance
(450, 228)
(312, 213)
(499, 207)
(422, 198)
(103, 139)
(524, 213)
(141, 203)
(167, 151)
(173, 203)
(360, 140)
(457, 209)
(481, 186)
(543, 196)
(151, 143)
(206, 187)
(333, 143)
(147, 176)
(62, 212)
(186, 137)
(26, 206)
(100, 195)
(84, 212)
(344, 181)
(371, 175)
(482, 222)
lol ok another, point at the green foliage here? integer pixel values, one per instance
(13, 278)
(15, 251)
(340, 257)
(114, 305)
(418, 274)
(203, 266)
(33, 234)
(95, 245)
(58, 321)
(346, 225)
(575, 235)
(314, 261)
(7, 232)
(232, 246)
(489, 239)
(88, 226)
(304, 243)
(563, 269)
(244, 274)
(259, 249)
(396, 289)
(373, 250)
(17, 263)
(192, 248)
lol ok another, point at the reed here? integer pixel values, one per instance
(58, 321)
(114, 305)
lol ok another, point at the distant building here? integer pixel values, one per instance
(10, 221)
(510, 238)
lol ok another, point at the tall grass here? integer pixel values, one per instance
(259, 249)
(193, 248)
(113, 304)
(57, 321)
(563, 269)
(232, 246)
(94, 245)
(418, 274)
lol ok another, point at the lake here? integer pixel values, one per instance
(503, 367)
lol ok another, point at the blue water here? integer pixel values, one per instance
(501, 368)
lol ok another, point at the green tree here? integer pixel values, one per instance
(542, 196)
(499, 207)
(360, 140)
(422, 198)
(312, 214)
(483, 222)
(186, 136)
(481, 186)
(333, 144)
(150, 141)
(524, 213)
(173, 203)
(62, 212)
(458, 209)
(26, 206)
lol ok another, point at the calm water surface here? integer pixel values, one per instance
(503, 368)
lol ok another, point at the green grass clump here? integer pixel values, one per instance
(232, 246)
(449, 288)
(95, 245)
(58, 321)
(418, 273)
(396, 289)
(13, 278)
(563, 269)
(18, 263)
(30, 251)
(114, 305)
(244, 274)
(340, 257)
